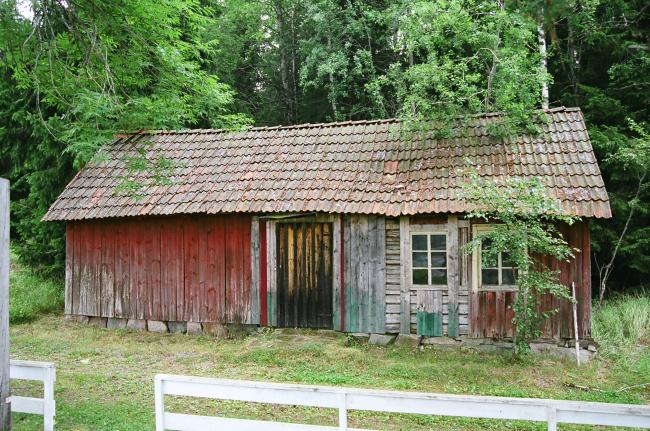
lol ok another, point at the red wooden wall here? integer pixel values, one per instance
(177, 268)
(490, 316)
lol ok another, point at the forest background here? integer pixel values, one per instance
(73, 73)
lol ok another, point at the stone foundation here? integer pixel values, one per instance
(563, 349)
(160, 327)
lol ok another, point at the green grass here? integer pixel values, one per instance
(105, 378)
(31, 295)
(622, 326)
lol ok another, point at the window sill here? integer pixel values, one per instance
(498, 289)
(428, 287)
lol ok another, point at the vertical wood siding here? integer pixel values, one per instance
(393, 293)
(264, 321)
(177, 268)
(492, 317)
(364, 274)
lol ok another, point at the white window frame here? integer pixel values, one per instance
(427, 232)
(477, 282)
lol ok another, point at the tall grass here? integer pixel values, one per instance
(31, 295)
(622, 325)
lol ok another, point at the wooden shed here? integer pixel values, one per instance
(346, 226)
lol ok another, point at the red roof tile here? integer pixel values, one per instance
(352, 167)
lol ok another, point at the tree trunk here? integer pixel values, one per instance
(332, 92)
(285, 68)
(541, 38)
(606, 271)
(5, 408)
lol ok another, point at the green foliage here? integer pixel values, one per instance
(348, 45)
(119, 66)
(462, 57)
(79, 72)
(622, 327)
(31, 295)
(601, 62)
(524, 217)
(38, 167)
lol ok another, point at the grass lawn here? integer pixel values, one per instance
(105, 378)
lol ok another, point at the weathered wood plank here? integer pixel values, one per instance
(107, 271)
(584, 289)
(77, 270)
(511, 297)
(304, 291)
(474, 313)
(349, 274)
(405, 275)
(216, 292)
(312, 275)
(271, 250)
(180, 290)
(88, 295)
(5, 392)
(429, 316)
(234, 268)
(156, 271)
(500, 314)
(264, 312)
(245, 310)
(200, 308)
(336, 273)
(254, 315)
(122, 272)
(69, 264)
(191, 273)
(378, 272)
(362, 229)
(453, 279)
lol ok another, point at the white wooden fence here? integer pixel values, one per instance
(38, 371)
(344, 399)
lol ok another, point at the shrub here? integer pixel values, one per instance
(30, 294)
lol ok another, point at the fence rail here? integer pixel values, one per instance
(36, 371)
(344, 399)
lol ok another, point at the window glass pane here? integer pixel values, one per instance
(419, 242)
(509, 276)
(420, 276)
(438, 276)
(438, 242)
(489, 261)
(420, 259)
(438, 259)
(505, 260)
(490, 277)
(486, 243)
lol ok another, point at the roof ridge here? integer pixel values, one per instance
(317, 125)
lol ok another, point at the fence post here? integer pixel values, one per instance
(343, 411)
(48, 399)
(5, 406)
(551, 417)
(159, 401)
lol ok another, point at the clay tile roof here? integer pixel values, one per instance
(352, 167)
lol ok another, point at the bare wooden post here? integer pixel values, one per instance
(5, 407)
(575, 321)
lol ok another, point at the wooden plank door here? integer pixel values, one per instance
(304, 275)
